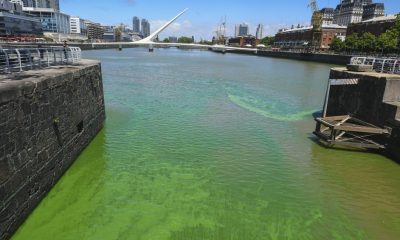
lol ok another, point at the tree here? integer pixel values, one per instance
(387, 42)
(268, 41)
(337, 45)
(352, 42)
(397, 24)
(367, 42)
(205, 42)
(166, 40)
(184, 39)
(118, 34)
(397, 29)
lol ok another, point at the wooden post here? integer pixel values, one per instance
(328, 89)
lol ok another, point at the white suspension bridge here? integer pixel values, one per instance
(150, 43)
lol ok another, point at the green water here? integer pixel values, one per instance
(200, 145)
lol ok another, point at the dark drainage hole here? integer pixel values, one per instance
(79, 127)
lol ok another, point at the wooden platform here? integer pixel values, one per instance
(349, 131)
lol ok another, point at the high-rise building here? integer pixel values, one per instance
(173, 39)
(327, 15)
(54, 4)
(145, 28)
(352, 11)
(52, 20)
(24, 3)
(241, 30)
(260, 31)
(78, 26)
(95, 30)
(17, 1)
(15, 23)
(136, 25)
(373, 10)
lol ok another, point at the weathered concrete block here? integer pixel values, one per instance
(40, 112)
(375, 99)
(360, 68)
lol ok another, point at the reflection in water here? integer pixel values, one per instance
(209, 146)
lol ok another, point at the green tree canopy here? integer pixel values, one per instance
(352, 42)
(387, 42)
(268, 41)
(185, 40)
(337, 45)
(367, 42)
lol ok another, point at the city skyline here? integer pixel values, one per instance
(202, 20)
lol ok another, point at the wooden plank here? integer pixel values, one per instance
(362, 138)
(336, 118)
(359, 145)
(361, 129)
(363, 123)
(321, 120)
(343, 121)
(357, 140)
(340, 135)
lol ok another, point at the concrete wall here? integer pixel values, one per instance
(312, 57)
(322, 58)
(47, 118)
(375, 99)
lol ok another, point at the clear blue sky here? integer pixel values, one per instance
(203, 16)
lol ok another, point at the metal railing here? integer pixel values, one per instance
(381, 65)
(23, 59)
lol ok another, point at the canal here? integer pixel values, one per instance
(199, 145)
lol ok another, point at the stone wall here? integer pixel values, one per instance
(375, 99)
(47, 118)
(311, 57)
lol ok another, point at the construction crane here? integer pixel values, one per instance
(316, 21)
(221, 32)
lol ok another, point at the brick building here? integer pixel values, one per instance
(244, 41)
(303, 36)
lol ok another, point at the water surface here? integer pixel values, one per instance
(199, 145)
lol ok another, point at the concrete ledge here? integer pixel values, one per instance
(359, 68)
(375, 99)
(19, 84)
